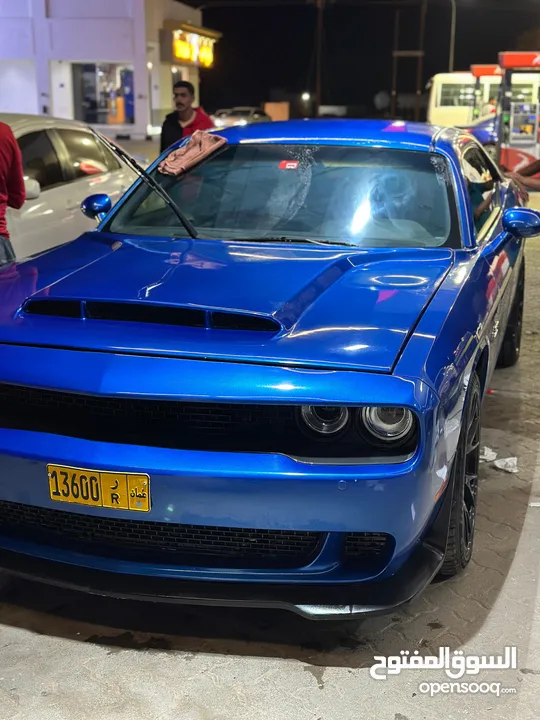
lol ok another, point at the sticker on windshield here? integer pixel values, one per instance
(289, 164)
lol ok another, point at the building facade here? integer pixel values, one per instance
(111, 63)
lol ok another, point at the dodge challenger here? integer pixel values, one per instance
(259, 381)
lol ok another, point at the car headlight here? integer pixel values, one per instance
(386, 425)
(325, 421)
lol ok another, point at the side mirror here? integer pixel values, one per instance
(97, 206)
(33, 188)
(521, 222)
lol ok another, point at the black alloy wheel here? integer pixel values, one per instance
(465, 470)
(5, 582)
(472, 464)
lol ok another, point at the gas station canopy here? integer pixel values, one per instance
(480, 71)
(519, 60)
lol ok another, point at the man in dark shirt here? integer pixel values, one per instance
(185, 119)
(12, 191)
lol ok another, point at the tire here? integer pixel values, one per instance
(5, 582)
(511, 345)
(459, 545)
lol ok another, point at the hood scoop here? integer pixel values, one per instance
(149, 313)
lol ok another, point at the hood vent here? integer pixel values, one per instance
(237, 321)
(142, 313)
(53, 308)
(148, 313)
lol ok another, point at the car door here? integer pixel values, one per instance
(41, 223)
(489, 196)
(91, 169)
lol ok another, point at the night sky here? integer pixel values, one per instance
(266, 48)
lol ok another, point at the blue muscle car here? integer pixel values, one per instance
(260, 381)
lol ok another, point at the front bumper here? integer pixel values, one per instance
(315, 602)
(325, 601)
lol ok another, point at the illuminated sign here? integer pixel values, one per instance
(193, 49)
(486, 71)
(517, 60)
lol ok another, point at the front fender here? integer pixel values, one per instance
(451, 340)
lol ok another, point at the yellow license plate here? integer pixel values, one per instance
(117, 491)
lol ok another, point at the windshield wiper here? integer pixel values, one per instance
(280, 238)
(149, 180)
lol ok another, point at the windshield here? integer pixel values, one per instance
(240, 112)
(327, 194)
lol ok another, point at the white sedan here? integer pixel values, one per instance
(63, 163)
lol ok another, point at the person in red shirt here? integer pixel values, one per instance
(185, 119)
(12, 191)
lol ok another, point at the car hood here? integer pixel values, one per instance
(305, 305)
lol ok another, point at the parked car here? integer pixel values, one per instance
(141, 160)
(241, 116)
(263, 385)
(63, 162)
(220, 116)
(484, 131)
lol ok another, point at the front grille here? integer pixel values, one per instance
(171, 424)
(363, 545)
(187, 545)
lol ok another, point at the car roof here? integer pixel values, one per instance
(376, 133)
(20, 122)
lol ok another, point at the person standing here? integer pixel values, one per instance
(185, 119)
(12, 190)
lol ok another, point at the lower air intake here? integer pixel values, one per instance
(188, 545)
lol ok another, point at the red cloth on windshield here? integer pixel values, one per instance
(199, 146)
(12, 191)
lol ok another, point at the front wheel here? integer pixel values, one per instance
(460, 540)
(5, 582)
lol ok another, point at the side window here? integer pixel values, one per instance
(481, 184)
(84, 154)
(40, 160)
(456, 95)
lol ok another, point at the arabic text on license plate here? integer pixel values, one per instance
(93, 488)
